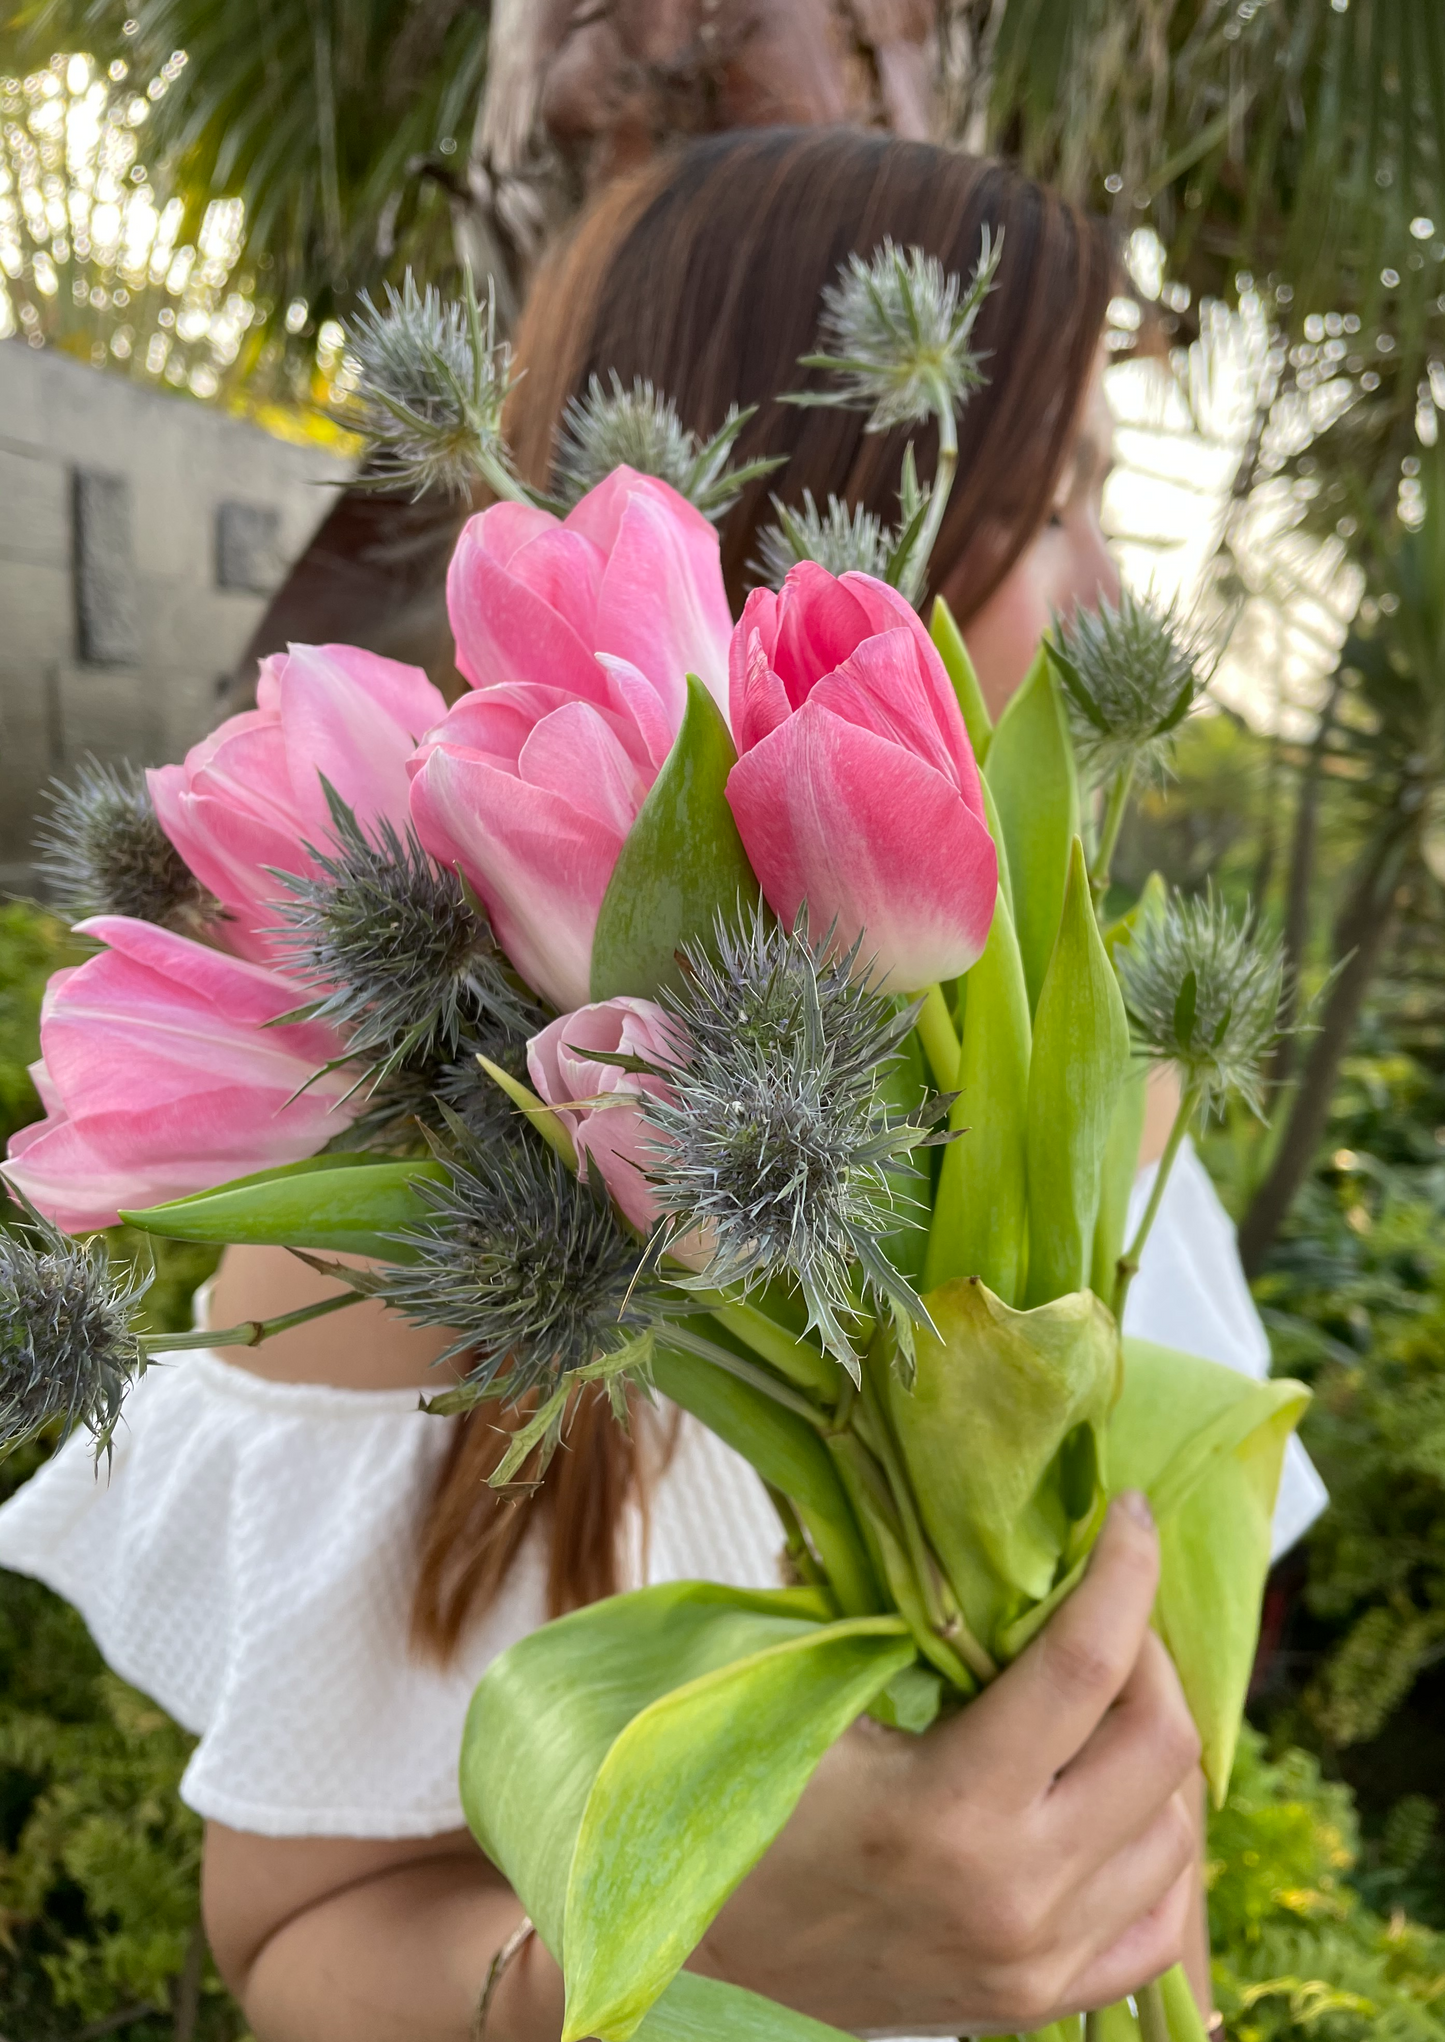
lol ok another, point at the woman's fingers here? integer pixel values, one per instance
(1151, 1945)
(1144, 1749)
(1041, 1712)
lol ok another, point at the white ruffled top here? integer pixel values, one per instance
(249, 1558)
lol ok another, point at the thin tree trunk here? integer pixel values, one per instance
(187, 1997)
(1362, 934)
(1301, 877)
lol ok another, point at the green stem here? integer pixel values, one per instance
(939, 492)
(798, 1360)
(1153, 2021)
(746, 1372)
(798, 1550)
(250, 1332)
(939, 1038)
(1128, 1267)
(1114, 808)
(944, 1615)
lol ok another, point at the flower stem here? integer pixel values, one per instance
(1114, 808)
(1128, 1265)
(798, 1360)
(1153, 2021)
(250, 1332)
(746, 1372)
(939, 1037)
(939, 492)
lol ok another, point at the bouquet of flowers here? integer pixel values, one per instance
(729, 1012)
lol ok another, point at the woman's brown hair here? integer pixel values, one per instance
(703, 273)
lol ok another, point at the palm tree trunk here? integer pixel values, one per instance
(1301, 878)
(1361, 936)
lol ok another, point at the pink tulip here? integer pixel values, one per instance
(159, 1077)
(577, 637)
(855, 788)
(249, 797)
(593, 1098)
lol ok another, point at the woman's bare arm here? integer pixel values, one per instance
(366, 1347)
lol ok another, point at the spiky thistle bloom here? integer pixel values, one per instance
(69, 1350)
(399, 949)
(1203, 988)
(639, 428)
(838, 538)
(521, 1263)
(778, 1139)
(102, 851)
(896, 332)
(1131, 674)
(431, 380)
(411, 1102)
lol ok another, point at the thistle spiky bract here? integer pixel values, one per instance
(432, 380)
(522, 1263)
(1131, 673)
(69, 1349)
(398, 948)
(101, 851)
(778, 1143)
(840, 539)
(896, 333)
(1202, 988)
(639, 428)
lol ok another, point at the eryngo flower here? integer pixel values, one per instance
(410, 1104)
(1131, 674)
(102, 851)
(69, 1350)
(398, 948)
(840, 539)
(896, 332)
(1202, 988)
(432, 378)
(777, 1136)
(640, 429)
(521, 1263)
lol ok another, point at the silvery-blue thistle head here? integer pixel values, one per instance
(842, 540)
(1202, 988)
(896, 335)
(1131, 673)
(398, 948)
(780, 1139)
(639, 428)
(69, 1349)
(528, 1270)
(101, 851)
(431, 380)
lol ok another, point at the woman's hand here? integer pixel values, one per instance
(1032, 1856)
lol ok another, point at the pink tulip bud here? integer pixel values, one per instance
(577, 637)
(160, 1077)
(855, 788)
(249, 797)
(595, 1099)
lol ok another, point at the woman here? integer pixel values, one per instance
(254, 1563)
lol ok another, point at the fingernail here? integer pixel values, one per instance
(1136, 1503)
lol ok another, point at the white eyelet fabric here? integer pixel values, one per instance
(249, 1558)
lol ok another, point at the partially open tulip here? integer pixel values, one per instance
(249, 797)
(855, 788)
(577, 636)
(595, 1098)
(159, 1077)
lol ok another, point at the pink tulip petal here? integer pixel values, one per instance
(362, 755)
(882, 687)
(819, 623)
(759, 700)
(562, 569)
(506, 632)
(662, 605)
(540, 866)
(642, 723)
(839, 817)
(505, 527)
(573, 754)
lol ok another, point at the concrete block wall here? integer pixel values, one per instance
(140, 537)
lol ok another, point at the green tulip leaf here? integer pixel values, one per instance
(990, 1431)
(627, 1765)
(1031, 774)
(1206, 1444)
(980, 1208)
(682, 865)
(1080, 1061)
(948, 640)
(695, 2009)
(339, 1204)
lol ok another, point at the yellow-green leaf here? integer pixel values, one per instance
(1030, 772)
